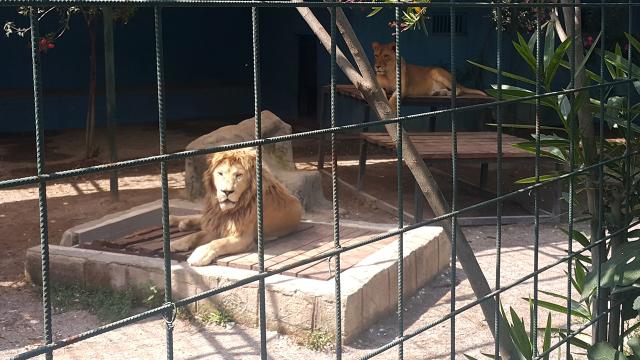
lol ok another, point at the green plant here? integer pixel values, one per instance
(319, 340)
(521, 338)
(621, 179)
(218, 317)
(107, 304)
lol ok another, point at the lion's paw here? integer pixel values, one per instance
(174, 220)
(184, 225)
(202, 256)
(180, 245)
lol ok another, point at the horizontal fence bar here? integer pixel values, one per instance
(181, 155)
(295, 4)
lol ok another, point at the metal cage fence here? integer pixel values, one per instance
(169, 308)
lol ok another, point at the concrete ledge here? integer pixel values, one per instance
(294, 305)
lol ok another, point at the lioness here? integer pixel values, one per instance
(228, 223)
(415, 80)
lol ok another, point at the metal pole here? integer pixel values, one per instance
(110, 95)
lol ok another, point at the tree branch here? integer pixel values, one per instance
(322, 35)
(377, 100)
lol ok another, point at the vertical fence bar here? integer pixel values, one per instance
(42, 186)
(335, 201)
(498, 314)
(454, 173)
(627, 159)
(536, 192)
(399, 168)
(572, 136)
(166, 251)
(598, 332)
(255, 30)
(110, 95)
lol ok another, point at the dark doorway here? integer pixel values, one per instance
(307, 82)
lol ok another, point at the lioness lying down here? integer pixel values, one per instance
(228, 223)
(414, 80)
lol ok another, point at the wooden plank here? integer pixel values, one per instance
(320, 270)
(301, 230)
(347, 259)
(309, 251)
(284, 245)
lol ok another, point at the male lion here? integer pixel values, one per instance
(228, 223)
(415, 80)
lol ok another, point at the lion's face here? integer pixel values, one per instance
(231, 181)
(385, 58)
(230, 177)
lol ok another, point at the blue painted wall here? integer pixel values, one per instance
(208, 66)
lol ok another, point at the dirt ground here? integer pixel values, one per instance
(77, 200)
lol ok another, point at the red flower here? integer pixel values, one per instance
(588, 41)
(45, 44)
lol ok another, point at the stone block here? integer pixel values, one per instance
(427, 262)
(289, 314)
(444, 251)
(278, 158)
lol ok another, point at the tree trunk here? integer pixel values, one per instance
(589, 150)
(366, 82)
(90, 148)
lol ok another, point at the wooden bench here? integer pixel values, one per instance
(481, 147)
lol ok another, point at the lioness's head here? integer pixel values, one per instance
(385, 58)
(230, 177)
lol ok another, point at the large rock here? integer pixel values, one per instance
(278, 158)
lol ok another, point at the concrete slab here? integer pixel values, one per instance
(294, 305)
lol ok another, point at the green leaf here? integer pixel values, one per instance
(577, 309)
(546, 343)
(581, 275)
(622, 269)
(523, 50)
(520, 336)
(636, 304)
(589, 52)
(515, 93)
(374, 11)
(579, 237)
(635, 43)
(549, 44)
(604, 351)
(574, 340)
(504, 73)
(532, 180)
(470, 357)
(633, 234)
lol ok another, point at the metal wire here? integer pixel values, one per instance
(168, 309)
(262, 313)
(536, 192)
(166, 251)
(571, 32)
(399, 169)
(288, 4)
(599, 251)
(335, 200)
(42, 185)
(498, 313)
(454, 177)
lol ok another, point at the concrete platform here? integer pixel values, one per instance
(295, 305)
